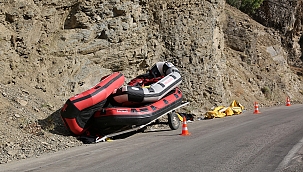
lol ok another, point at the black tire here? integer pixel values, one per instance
(173, 121)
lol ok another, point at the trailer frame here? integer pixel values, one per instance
(106, 137)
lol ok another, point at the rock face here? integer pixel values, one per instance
(287, 17)
(74, 43)
(53, 50)
(258, 63)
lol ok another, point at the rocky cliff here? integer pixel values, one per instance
(53, 50)
(287, 17)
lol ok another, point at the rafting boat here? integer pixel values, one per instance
(109, 104)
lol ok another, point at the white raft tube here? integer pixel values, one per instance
(155, 91)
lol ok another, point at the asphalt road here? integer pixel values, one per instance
(270, 141)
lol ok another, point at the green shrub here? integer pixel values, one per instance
(266, 91)
(246, 6)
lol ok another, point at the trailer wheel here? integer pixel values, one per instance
(173, 121)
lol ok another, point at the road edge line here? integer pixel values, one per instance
(289, 156)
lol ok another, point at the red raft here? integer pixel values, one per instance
(77, 110)
(124, 116)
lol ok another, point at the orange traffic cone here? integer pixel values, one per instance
(184, 128)
(287, 101)
(256, 108)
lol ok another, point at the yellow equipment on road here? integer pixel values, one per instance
(235, 108)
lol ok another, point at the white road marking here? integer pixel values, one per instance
(290, 156)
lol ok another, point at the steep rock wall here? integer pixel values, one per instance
(74, 43)
(286, 16)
